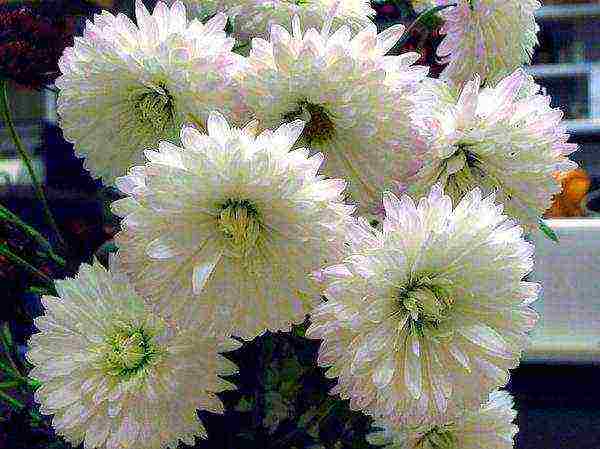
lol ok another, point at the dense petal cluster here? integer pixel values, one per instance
(231, 223)
(489, 37)
(426, 316)
(253, 18)
(490, 426)
(356, 100)
(114, 374)
(124, 87)
(506, 139)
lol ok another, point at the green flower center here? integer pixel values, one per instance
(319, 127)
(439, 437)
(241, 226)
(154, 108)
(129, 351)
(427, 301)
(464, 170)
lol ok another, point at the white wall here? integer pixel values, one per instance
(569, 271)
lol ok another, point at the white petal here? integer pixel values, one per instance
(203, 270)
(384, 372)
(162, 248)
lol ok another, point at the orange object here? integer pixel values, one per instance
(575, 186)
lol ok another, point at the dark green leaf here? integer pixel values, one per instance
(245, 404)
(6, 336)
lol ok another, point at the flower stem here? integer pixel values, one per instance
(12, 401)
(425, 15)
(13, 218)
(27, 160)
(5, 252)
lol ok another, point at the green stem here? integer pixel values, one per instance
(4, 251)
(12, 401)
(12, 369)
(425, 15)
(9, 369)
(27, 160)
(7, 214)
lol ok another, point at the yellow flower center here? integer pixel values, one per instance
(319, 127)
(154, 108)
(439, 437)
(426, 301)
(129, 352)
(241, 227)
(464, 170)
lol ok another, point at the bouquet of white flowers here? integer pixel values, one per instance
(293, 167)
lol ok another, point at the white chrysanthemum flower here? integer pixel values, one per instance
(428, 314)
(125, 87)
(506, 138)
(231, 223)
(490, 427)
(253, 18)
(356, 100)
(114, 374)
(488, 37)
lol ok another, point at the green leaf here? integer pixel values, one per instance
(33, 383)
(36, 418)
(245, 404)
(548, 232)
(276, 410)
(309, 424)
(106, 249)
(6, 336)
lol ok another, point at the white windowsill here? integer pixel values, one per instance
(569, 307)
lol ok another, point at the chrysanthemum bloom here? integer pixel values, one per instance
(114, 374)
(231, 223)
(356, 100)
(506, 138)
(125, 87)
(253, 18)
(428, 314)
(490, 426)
(489, 37)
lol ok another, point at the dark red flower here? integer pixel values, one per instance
(31, 44)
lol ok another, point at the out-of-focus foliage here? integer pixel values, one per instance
(282, 400)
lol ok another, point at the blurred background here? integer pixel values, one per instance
(556, 387)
